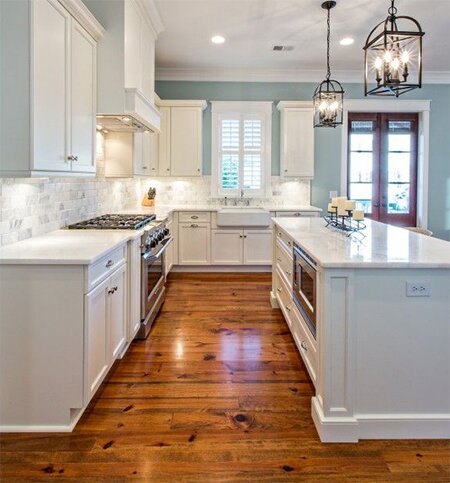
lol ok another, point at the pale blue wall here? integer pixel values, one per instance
(328, 141)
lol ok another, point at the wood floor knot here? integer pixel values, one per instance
(243, 421)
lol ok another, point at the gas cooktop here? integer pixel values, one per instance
(114, 222)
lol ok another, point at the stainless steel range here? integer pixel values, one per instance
(154, 242)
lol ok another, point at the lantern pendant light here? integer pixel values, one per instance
(328, 97)
(393, 56)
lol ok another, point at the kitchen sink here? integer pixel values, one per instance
(243, 216)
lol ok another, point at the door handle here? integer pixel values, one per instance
(376, 205)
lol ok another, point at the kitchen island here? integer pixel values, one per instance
(378, 348)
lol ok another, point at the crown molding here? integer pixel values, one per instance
(83, 15)
(181, 103)
(275, 75)
(151, 14)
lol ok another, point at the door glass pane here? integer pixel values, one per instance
(362, 194)
(399, 167)
(398, 198)
(361, 167)
(361, 142)
(400, 142)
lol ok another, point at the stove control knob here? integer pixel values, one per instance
(160, 235)
(166, 231)
(154, 242)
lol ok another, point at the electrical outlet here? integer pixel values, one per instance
(418, 289)
(333, 194)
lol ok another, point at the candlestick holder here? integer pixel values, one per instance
(345, 223)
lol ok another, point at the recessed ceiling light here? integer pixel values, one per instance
(347, 41)
(126, 119)
(218, 39)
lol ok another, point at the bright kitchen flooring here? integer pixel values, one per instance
(218, 392)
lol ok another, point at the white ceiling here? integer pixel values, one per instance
(252, 27)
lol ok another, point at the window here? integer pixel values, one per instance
(382, 165)
(241, 148)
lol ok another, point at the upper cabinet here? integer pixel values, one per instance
(297, 139)
(126, 64)
(180, 140)
(48, 88)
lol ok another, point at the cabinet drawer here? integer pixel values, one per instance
(284, 297)
(282, 237)
(305, 342)
(195, 216)
(284, 262)
(99, 270)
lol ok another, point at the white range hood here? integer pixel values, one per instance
(126, 65)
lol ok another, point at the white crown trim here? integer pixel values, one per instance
(84, 16)
(275, 75)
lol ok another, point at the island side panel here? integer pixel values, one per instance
(41, 345)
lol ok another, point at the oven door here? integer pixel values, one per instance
(153, 278)
(305, 284)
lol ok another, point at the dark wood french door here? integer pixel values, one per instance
(382, 165)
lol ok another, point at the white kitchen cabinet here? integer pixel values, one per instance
(180, 139)
(297, 139)
(105, 332)
(49, 116)
(194, 243)
(117, 312)
(134, 288)
(96, 339)
(169, 255)
(257, 247)
(227, 247)
(128, 154)
(186, 141)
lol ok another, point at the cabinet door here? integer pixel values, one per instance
(148, 62)
(96, 349)
(83, 105)
(186, 141)
(297, 142)
(257, 247)
(150, 153)
(117, 312)
(164, 143)
(134, 289)
(227, 247)
(50, 97)
(194, 244)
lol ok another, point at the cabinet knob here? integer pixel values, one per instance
(279, 259)
(194, 225)
(144, 167)
(198, 170)
(285, 170)
(288, 308)
(194, 217)
(279, 289)
(304, 346)
(168, 169)
(240, 236)
(288, 273)
(109, 263)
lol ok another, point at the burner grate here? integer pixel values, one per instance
(114, 222)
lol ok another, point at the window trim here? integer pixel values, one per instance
(422, 107)
(259, 109)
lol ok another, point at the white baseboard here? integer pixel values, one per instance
(379, 426)
(223, 268)
(45, 428)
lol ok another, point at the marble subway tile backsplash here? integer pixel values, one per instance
(31, 207)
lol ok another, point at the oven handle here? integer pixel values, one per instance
(165, 243)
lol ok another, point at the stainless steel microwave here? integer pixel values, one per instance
(305, 287)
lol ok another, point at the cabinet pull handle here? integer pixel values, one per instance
(168, 169)
(71, 157)
(288, 272)
(288, 308)
(298, 214)
(109, 263)
(144, 167)
(114, 289)
(194, 225)
(240, 236)
(194, 217)
(304, 346)
(279, 289)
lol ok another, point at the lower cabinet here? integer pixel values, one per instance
(194, 241)
(241, 247)
(105, 328)
(169, 255)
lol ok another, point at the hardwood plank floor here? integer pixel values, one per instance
(217, 393)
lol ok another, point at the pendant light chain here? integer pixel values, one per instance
(328, 45)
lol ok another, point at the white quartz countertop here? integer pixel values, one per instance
(385, 246)
(65, 247)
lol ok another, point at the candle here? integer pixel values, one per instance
(358, 215)
(334, 202)
(331, 208)
(350, 205)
